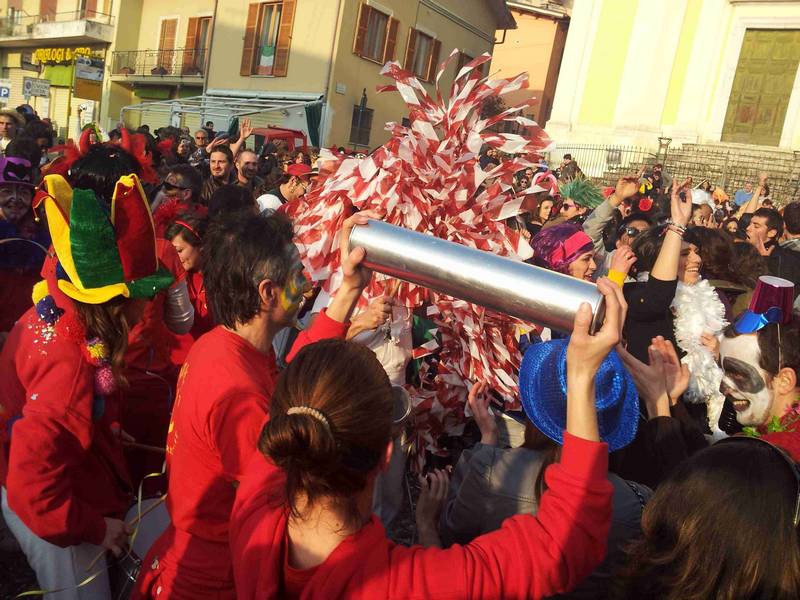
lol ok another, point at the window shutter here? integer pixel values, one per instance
(391, 39)
(189, 54)
(281, 65)
(248, 51)
(361, 29)
(91, 8)
(166, 44)
(434, 60)
(410, 48)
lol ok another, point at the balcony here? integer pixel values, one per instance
(169, 66)
(80, 27)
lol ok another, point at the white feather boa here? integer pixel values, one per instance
(698, 310)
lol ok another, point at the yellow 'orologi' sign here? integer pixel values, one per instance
(58, 55)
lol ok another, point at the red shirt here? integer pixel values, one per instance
(65, 466)
(528, 557)
(203, 320)
(220, 408)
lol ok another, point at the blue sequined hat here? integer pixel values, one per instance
(543, 390)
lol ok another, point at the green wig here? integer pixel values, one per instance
(583, 192)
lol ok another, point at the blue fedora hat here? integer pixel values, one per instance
(543, 390)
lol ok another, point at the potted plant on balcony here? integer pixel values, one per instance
(126, 70)
(159, 70)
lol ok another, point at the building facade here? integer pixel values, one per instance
(320, 58)
(695, 71)
(53, 55)
(536, 46)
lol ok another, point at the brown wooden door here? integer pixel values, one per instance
(762, 85)
(166, 44)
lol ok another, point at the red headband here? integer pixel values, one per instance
(569, 247)
(187, 226)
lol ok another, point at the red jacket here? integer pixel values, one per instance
(65, 466)
(528, 557)
(220, 408)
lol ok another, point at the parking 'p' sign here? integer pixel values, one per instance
(5, 90)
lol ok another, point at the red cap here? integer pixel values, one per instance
(299, 170)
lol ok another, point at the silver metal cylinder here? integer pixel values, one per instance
(508, 286)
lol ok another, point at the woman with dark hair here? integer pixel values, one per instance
(66, 482)
(186, 234)
(731, 280)
(722, 525)
(730, 225)
(229, 199)
(301, 525)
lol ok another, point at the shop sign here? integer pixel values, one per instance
(32, 86)
(60, 55)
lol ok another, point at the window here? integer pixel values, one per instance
(465, 59)
(267, 38)
(196, 46)
(376, 35)
(166, 45)
(422, 55)
(361, 126)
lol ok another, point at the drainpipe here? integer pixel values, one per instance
(210, 46)
(326, 117)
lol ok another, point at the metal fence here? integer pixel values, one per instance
(181, 62)
(728, 167)
(19, 24)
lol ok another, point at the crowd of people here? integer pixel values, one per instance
(161, 339)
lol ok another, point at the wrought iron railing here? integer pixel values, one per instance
(21, 25)
(181, 62)
(728, 167)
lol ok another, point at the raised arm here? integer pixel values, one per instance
(666, 265)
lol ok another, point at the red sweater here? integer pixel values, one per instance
(528, 557)
(65, 467)
(220, 408)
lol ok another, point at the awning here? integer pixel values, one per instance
(225, 107)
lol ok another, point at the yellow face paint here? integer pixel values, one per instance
(292, 293)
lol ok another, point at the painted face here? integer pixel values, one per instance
(583, 267)
(744, 382)
(15, 202)
(248, 165)
(292, 294)
(189, 255)
(689, 264)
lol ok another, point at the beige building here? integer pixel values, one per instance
(304, 64)
(696, 71)
(53, 56)
(536, 46)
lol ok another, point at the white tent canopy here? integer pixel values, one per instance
(224, 105)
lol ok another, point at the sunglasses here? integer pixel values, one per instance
(568, 206)
(201, 138)
(786, 459)
(631, 231)
(168, 187)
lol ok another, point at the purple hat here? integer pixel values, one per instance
(14, 169)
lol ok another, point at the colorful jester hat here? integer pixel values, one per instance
(102, 255)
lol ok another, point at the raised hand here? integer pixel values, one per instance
(585, 353)
(681, 210)
(479, 402)
(676, 374)
(246, 129)
(623, 259)
(433, 493)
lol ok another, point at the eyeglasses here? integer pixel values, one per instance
(784, 457)
(201, 138)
